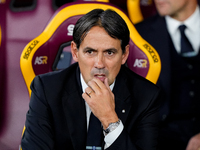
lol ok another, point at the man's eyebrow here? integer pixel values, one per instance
(88, 48)
(109, 49)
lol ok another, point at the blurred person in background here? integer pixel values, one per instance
(175, 33)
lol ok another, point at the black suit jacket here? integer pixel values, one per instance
(56, 118)
(154, 30)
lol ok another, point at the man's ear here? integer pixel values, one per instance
(74, 51)
(125, 54)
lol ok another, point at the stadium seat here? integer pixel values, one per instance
(140, 9)
(51, 48)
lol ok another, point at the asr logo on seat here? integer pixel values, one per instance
(40, 60)
(140, 63)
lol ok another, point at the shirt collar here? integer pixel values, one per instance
(192, 23)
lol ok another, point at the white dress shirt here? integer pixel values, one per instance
(192, 31)
(112, 136)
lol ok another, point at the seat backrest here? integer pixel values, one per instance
(140, 9)
(51, 48)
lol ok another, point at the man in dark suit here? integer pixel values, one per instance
(179, 78)
(125, 103)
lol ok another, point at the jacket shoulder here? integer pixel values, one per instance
(58, 76)
(135, 80)
(147, 21)
(54, 82)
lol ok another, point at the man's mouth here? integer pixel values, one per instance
(100, 77)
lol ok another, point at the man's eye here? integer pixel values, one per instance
(89, 51)
(110, 52)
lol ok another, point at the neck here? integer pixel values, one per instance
(185, 12)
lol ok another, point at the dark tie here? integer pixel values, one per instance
(95, 134)
(185, 44)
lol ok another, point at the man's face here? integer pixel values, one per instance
(171, 7)
(99, 55)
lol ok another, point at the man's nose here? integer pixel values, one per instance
(99, 62)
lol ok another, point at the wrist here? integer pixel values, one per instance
(109, 118)
(111, 127)
(107, 121)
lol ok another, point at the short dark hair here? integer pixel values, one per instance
(112, 22)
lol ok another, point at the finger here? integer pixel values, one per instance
(95, 84)
(104, 85)
(107, 85)
(85, 96)
(89, 91)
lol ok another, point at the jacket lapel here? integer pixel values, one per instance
(123, 103)
(74, 106)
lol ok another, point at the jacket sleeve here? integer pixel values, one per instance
(38, 134)
(142, 134)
